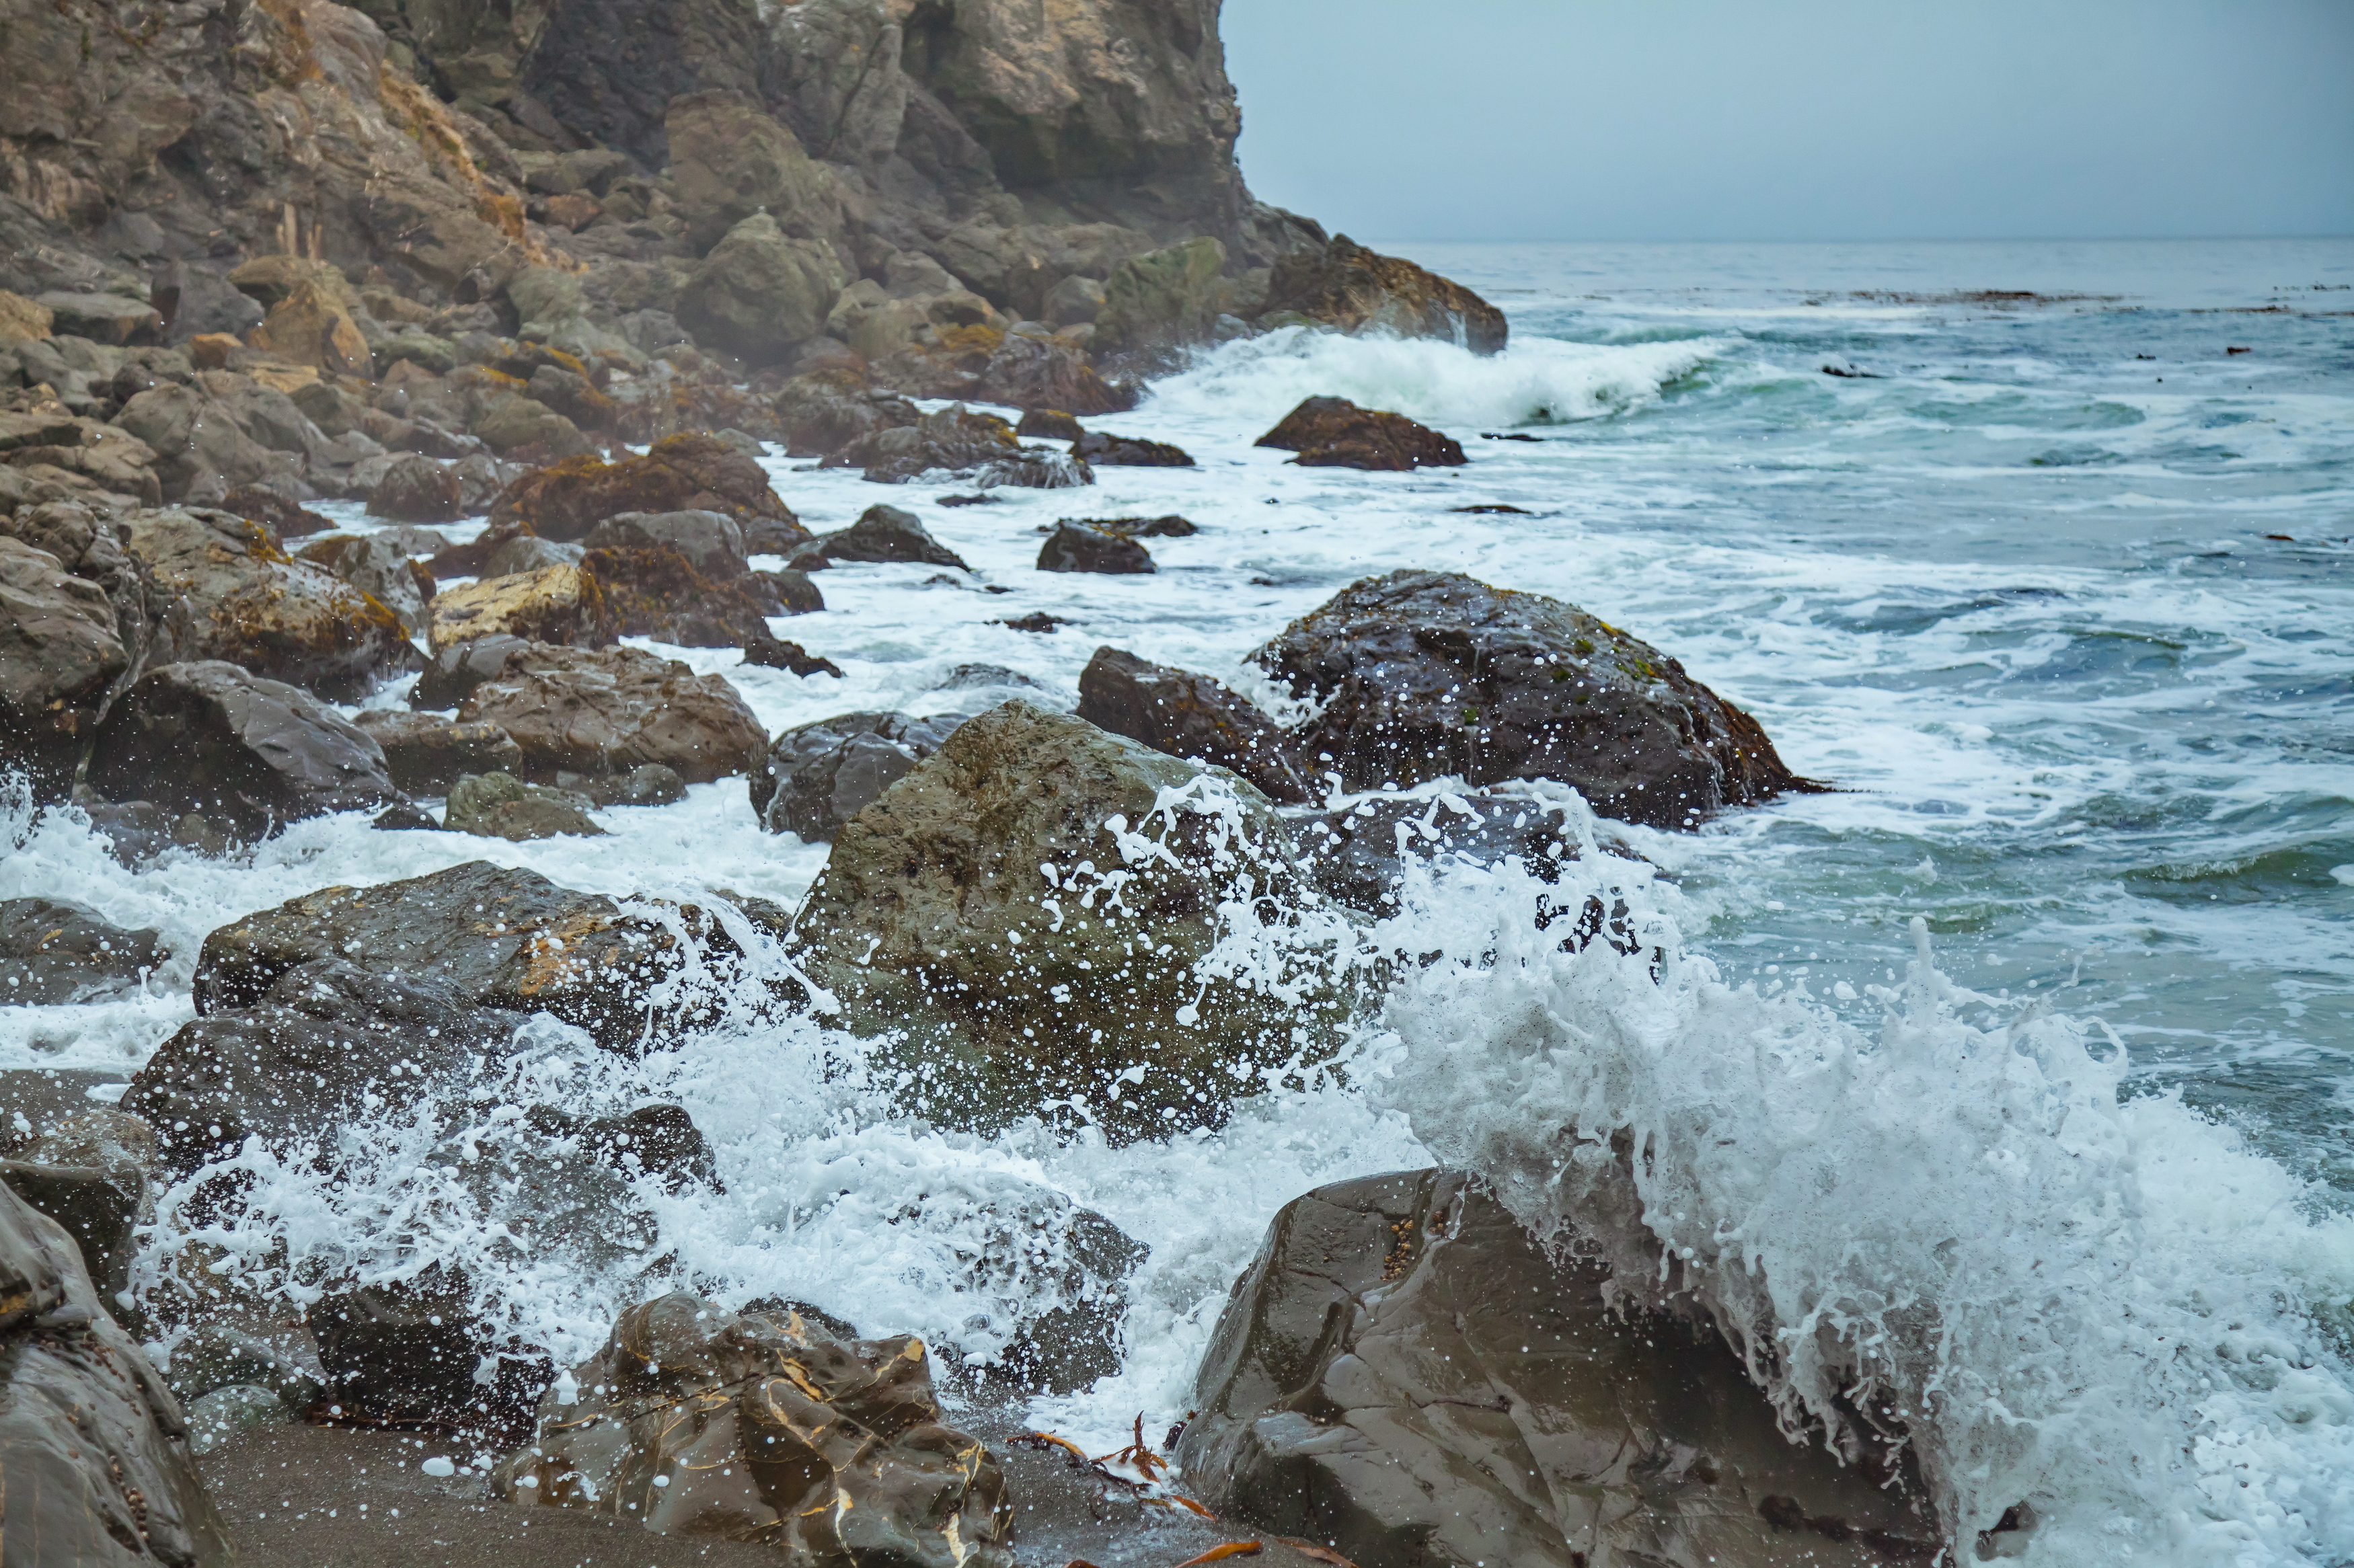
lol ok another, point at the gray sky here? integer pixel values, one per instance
(1800, 119)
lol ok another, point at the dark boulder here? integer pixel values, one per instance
(1077, 547)
(768, 653)
(285, 519)
(1129, 452)
(380, 568)
(425, 755)
(90, 544)
(819, 776)
(610, 710)
(656, 590)
(1333, 433)
(795, 592)
(417, 490)
(887, 533)
(500, 805)
(61, 657)
(1407, 1375)
(54, 951)
(407, 1353)
(1421, 675)
(101, 1208)
(1357, 855)
(1344, 285)
(1170, 526)
(954, 438)
(712, 542)
(1186, 714)
(769, 1428)
(1027, 372)
(1050, 425)
(453, 672)
(826, 411)
(92, 1443)
(690, 473)
(252, 754)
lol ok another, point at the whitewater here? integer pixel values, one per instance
(2007, 1088)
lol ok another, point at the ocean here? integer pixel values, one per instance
(2017, 1072)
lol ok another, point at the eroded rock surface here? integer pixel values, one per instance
(1344, 285)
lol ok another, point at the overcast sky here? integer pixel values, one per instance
(1800, 119)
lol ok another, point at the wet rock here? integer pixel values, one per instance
(379, 568)
(825, 410)
(954, 440)
(92, 1443)
(1027, 372)
(407, 1353)
(1426, 674)
(1356, 855)
(500, 805)
(650, 785)
(767, 1429)
(513, 553)
(656, 592)
(819, 776)
(887, 533)
(1037, 620)
(615, 709)
(1129, 452)
(1077, 548)
(1049, 425)
(452, 675)
(761, 293)
(417, 490)
(61, 658)
(658, 1140)
(1333, 433)
(55, 951)
(563, 604)
(1344, 285)
(425, 755)
(284, 518)
(774, 653)
(99, 1208)
(1034, 468)
(252, 605)
(689, 473)
(208, 738)
(955, 909)
(712, 542)
(216, 1418)
(1405, 1374)
(1163, 300)
(983, 677)
(219, 1353)
(1170, 526)
(1186, 714)
(795, 592)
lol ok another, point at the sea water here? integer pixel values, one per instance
(2010, 1082)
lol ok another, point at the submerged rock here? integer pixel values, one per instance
(819, 776)
(766, 1429)
(1405, 1374)
(1129, 452)
(1344, 285)
(1023, 910)
(1186, 714)
(610, 710)
(1421, 675)
(1333, 433)
(52, 951)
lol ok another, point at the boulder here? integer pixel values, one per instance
(1344, 285)
(286, 519)
(1075, 548)
(819, 776)
(766, 1428)
(824, 410)
(1129, 452)
(760, 293)
(252, 605)
(689, 473)
(451, 675)
(425, 755)
(474, 936)
(1033, 468)
(768, 653)
(968, 912)
(110, 319)
(312, 327)
(1333, 433)
(655, 591)
(517, 423)
(1028, 372)
(1356, 855)
(1075, 301)
(886, 533)
(953, 439)
(615, 709)
(1169, 526)
(417, 490)
(252, 754)
(61, 657)
(1049, 425)
(93, 1445)
(731, 161)
(510, 553)
(1186, 714)
(52, 951)
(202, 447)
(562, 604)
(1421, 675)
(794, 591)
(99, 1207)
(88, 544)
(500, 805)
(712, 542)
(21, 318)
(379, 568)
(406, 1351)
(1164, 299)
(1405, 1374)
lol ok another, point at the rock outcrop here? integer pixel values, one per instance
(1406, 1374)
(1421, 675)
(1333, 433)
(765, 1426)
(680, 473)
(1077, 548)
(60, 660)
(1344, 285)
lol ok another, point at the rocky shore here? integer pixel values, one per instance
(575, 268)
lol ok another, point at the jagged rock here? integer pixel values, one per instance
(886, 533)
(614, 709)
(690, 473)
(1421, 675)
(563, 604)
(1047, 373)
(955, 912)
(774, 653)
(209, 739)
(1333, 433)
(54, 951)
(1346, 286)
(61, 657)
(819, 776)
(655, 591)
(254, 606)
(1129, 452)
(954, 438)
(92, 1443)
(417, 490)
(712, 542)
(500, 805)
(425, 755)
(1163, 300)
(769, 1428)
(102, 318)
(1186, 714)
(379, 568)
(1407, 1375)
(89, 545)
(311, 327)
(1075, 548)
